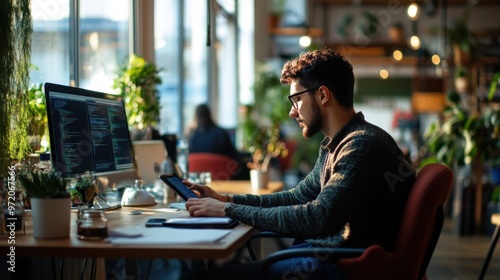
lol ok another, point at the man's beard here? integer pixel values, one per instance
(316, 123)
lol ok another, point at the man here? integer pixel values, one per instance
(355, 194)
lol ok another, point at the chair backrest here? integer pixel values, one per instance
(421, 225)
(221, 167)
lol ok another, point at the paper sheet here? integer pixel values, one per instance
(165, 235)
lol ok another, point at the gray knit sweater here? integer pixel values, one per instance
(353, 197)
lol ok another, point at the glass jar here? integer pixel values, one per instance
(92, 224)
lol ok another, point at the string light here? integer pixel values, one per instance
(435, 59)
(384, 74)
(398, 55)
(415, 42)
(413, 11)
(305, 41)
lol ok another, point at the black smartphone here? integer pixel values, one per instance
(155, 222)
(174, 182)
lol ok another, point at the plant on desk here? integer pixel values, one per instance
(85, 190)
(266, 146)
(261, 122)
(50, 203)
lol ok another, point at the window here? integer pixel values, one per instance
(50, 42)
(99, 29)
(181, 51)
(103, 42)
(198, 50)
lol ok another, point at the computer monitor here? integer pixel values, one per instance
(89, 132)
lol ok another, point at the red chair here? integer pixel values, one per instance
(221, 167)
(421, 225)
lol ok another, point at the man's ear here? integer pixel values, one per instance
(324, 95)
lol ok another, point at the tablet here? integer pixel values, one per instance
(175, 183)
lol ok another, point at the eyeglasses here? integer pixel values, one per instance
(292, 97)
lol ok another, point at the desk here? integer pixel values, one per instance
(28, 246)
(495, 219)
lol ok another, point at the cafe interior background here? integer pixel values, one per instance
(228, 53)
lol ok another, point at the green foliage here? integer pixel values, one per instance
(137, 82)
(271, 95)
(278, 7)
(15, 55)
(495, 196)
(40, 184)
(261, 122)
(37, 109)
(493, 86)
(460, 136)
(460, 71)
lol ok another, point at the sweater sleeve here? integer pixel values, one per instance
(306, 190)
(280, 211)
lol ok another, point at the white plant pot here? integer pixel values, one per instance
(259, 179)
(51, 217)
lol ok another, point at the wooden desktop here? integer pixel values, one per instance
(27, 246)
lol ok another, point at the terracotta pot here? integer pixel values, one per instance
(274, 21)
(460, 57)
(396, 34)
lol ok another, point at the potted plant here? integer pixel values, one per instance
(277, 11)
(461, 80)
(465, 138)
(261, 122)
(137, 82)
(50, 203)
(460, 40)
(395, 32)
(85, 190)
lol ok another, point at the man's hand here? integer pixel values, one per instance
(205, 207)
(204, 191)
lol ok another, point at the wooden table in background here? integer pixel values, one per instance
(244, 187)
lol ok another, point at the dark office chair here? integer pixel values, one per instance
(221, 167)
(421, 225)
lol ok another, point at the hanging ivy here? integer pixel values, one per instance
(15, 54)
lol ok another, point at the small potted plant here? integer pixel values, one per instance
(261, 122)
(85, 190)
(395, 32)
(50, 203)
(461, 81)
(276, 12)
(461, 41)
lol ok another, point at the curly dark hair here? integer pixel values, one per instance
(324, 67)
